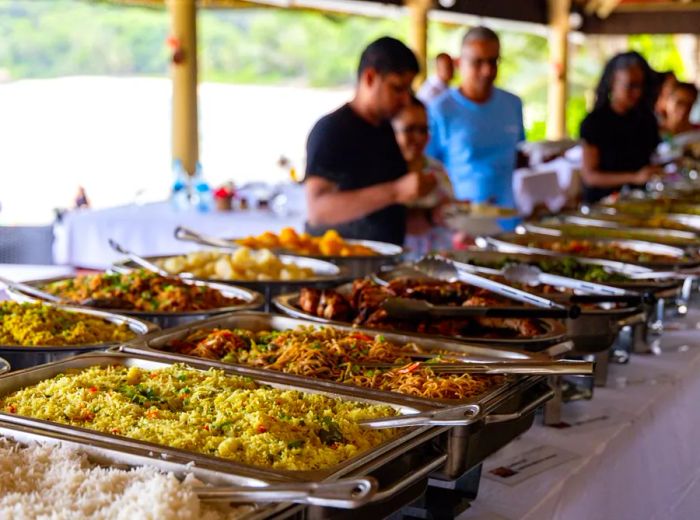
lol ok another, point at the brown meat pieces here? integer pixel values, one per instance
(327, 304)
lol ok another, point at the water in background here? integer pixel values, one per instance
(112, 136)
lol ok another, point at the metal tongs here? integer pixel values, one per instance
(344, 493)
(681, 274)
(530, 368)
(146, 264)
(189, 235)
(444, 269)
(452, 416)
(533, 276)
(408, 308)
(28, 289)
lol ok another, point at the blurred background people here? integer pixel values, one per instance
(438, 82)
(476, 127)
(663, 85)
(356, 179)
(621, 133)
(679, 105)
(424, 232)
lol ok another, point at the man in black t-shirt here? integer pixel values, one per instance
(356, 178)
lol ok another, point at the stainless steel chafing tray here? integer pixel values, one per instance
(593, 331)
(23, 356)
(353, 266)
(251, 300)
(508, 409)
(678, 222)
(558, 228)
(554, 331)
(518, 243)
(327, 274)
(17, 380)
(107, 455)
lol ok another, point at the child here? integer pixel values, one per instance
(423, 232)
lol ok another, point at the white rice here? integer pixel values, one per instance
(50, 482)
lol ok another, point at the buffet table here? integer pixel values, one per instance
(81, 238)
(628, 454)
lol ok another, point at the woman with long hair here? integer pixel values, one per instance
(621, 133)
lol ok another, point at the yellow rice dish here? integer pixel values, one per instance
(207, 412)
(36, 324)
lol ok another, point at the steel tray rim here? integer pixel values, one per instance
(385, 250)
(254, 300)
(203, 460)
(325, 272)
(556, 331)
(145, 346)
(137, 325)
(502, 244)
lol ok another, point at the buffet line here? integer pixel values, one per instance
(287, 376)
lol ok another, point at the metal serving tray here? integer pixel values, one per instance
(555, 331)
(516, 243)
(684, 223)
(595, 230)
(252, 301)
(593, 331)
(105, 454)
(354, 266)
(157, 344)
(660, 288)
(24, 378)
(508, 409)
(21, 356)
(328, 274)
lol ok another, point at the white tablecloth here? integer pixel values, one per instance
(641, 462)
(81, 238)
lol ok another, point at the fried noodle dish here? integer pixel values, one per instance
(335, 355)
(140, 291)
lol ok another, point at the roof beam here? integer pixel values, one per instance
(645, 22)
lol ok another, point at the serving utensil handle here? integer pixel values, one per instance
(26, 288)
(505, 290)
(345, 493)
(451, 416)
(188, 235)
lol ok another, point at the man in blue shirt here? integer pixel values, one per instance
(476, 127)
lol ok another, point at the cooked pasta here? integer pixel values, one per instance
(334, 355)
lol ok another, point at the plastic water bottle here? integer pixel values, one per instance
(203, 196)
(179, 195)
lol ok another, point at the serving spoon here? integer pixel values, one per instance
(146, 264)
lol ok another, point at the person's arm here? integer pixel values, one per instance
(327, 206)
(593, 177)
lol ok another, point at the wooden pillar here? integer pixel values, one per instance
(183, 69)
(558, 67)
(418, 34)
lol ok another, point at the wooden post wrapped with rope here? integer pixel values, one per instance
(418, 34)
(558, 68)
(183, 68)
